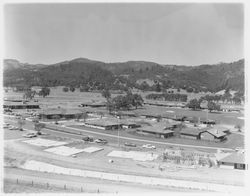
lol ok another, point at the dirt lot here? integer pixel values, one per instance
(99, 161)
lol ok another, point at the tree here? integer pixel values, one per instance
(65, 89)
(106, 94)
(45, 91)
(213, 106)
(72, 89)
(137, 100)
(29, 94)
(110, 106)
(194, 104)
(20, 123)
(38, 127)
(158, 87)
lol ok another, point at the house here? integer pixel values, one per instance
(20, 105)
(233, 161)
(191, 133)
(157, 129)
(105, 124)
(213, 135)
(60, 113)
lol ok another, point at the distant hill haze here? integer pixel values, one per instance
(82, 71)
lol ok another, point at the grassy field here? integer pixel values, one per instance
(73, 99)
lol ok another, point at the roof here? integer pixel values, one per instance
(104, 122)
(192, 131)
(156, 128)
(13, 103)
(61, 111)
(99, 103)
(234, 158)
(171, 124)
(216, 132)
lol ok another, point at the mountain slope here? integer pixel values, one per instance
(82, 72)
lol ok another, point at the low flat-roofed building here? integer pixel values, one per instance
(104, 123)
(233, 161)
(60, 113)
(159, 130)
(207, 121)
(94, 104)
(20, 105)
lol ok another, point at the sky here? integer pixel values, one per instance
(165, 33)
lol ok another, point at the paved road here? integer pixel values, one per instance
(144, 140)
(115, 138)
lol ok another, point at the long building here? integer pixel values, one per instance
(20, 105)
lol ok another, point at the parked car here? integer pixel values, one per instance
(101, 141)
(88, 139)
(6, 125)
(30, 135)
(149, 146)
(129, 144)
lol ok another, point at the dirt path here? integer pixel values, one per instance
(75, 183)
(99, 162)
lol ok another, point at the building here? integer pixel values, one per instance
(207, 121)
(129, 124)
(60, 113)
(20, 105)
(158, 129)
(104, 123)
(94, 104)
(213, 135)
(233, 161)
(206, 134)
(191, 133)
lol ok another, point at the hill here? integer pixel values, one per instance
(97, 75)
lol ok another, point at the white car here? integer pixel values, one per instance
(30, 135)
(149, 146)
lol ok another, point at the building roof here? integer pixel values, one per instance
(192, 131)
(99, 103)
(156, 128)
(13, 103)
(234, 158)
(104, 122)
(216, 132)
(61, 111)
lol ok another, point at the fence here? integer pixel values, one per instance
(46, 186)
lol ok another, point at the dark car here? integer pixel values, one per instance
(88, 139)
(129, 144)
(101, 141)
